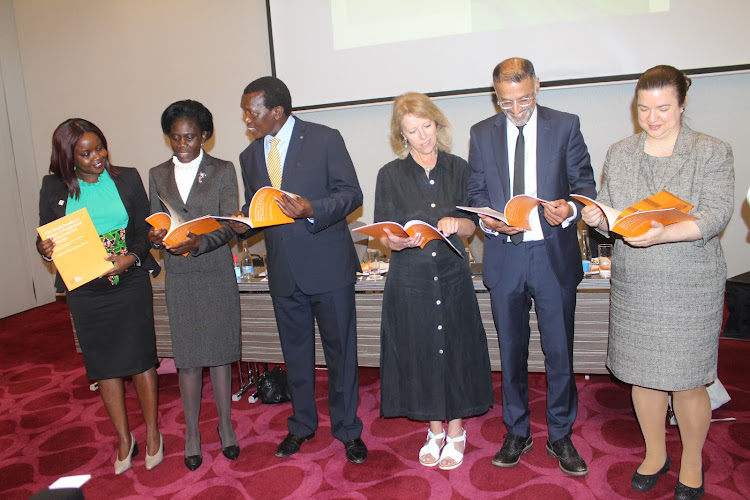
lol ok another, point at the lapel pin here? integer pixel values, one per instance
(201, 177)
(61, 203)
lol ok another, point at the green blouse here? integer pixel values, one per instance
(103, 202)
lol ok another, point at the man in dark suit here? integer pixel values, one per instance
(312, 262)
(533, 150)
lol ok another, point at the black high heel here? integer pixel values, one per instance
(194, 461)
(644, 482)
(231, 452)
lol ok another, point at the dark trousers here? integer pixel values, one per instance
(337, 323)
(527, 273)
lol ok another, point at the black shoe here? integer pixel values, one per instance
(232, 452)
(291, 444)
(193, 461)
(570, 461)
(644, 482)
(513, 447)
(356, 451)
(682, 492)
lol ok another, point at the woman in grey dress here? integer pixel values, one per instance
(668, 284)
(201, 289)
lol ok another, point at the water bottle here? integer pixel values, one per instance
(237, 268)
(247, 266)
(585, 253)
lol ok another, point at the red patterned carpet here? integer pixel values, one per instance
(52, 425)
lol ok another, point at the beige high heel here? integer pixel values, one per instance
(154, 460)
(123, 465)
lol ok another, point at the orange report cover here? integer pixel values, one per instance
(177, 228)
(264, 210)
(663, 207)
(79, 253)
(429, 232)
(516, 212)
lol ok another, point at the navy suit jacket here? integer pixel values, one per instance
(563, 167)
(316, 257)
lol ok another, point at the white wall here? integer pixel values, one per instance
(19, 183)
(119, 64)
(606, 114)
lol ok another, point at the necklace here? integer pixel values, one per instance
(658, 151)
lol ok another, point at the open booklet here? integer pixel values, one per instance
(264, 210)
(663, 207)
(177, 228)
(516, 212)
(79, 253)
(429, 232)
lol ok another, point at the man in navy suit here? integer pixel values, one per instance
(312, 262)
(533, 150)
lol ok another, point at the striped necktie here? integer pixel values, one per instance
(274, 163)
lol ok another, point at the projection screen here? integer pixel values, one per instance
(339, 52)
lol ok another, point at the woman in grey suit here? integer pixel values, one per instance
(201, 289)
(668, 284)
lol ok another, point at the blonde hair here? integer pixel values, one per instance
(420, 106)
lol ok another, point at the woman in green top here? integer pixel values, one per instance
(113, 315)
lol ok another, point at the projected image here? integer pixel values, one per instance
(338, 52)
(365, 23)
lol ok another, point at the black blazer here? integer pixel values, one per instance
(318, 257)
(563, 167)
(53, 199)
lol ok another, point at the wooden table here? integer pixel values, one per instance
(260, 339)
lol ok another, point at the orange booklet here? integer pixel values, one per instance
(264, 211)
(411, 228)
(516, 212)
(79, 253)
(177, 228)
(663, 207)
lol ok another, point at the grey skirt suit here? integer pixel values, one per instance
(203, 300)
(667, 300)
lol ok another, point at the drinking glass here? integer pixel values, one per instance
(605, 260)
(372, 261)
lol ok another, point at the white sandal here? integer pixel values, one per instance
(450, 451)
(432, 448)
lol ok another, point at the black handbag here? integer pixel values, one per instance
(272, 387)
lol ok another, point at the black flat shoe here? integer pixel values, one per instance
(644, 482)
(513, 447)
(193, 461)
(232, 452)
(682, 492)
(291, 444)
(356, 451)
